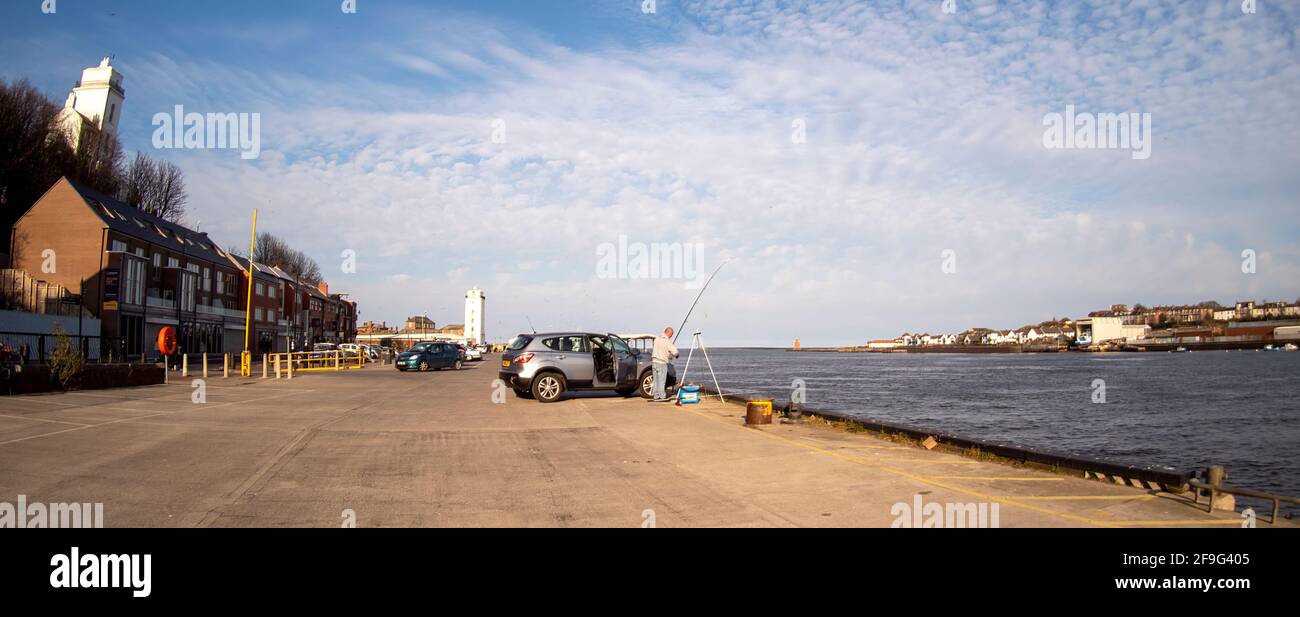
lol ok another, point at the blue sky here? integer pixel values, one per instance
(923, 134)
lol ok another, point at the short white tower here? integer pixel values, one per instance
(475, 301)
(95, 102)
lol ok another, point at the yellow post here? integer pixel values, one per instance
(225, 366)
(290, 375)
(336, 360)
(185, 365)
(246, 358)
(205, 365)
(277, 366)
(265, 358)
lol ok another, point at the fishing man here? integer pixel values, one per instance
(664, 352)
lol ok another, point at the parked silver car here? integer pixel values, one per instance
(545, 366)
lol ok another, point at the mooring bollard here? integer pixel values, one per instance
(185, 365)
(265, 358)
(1214, 475)
(758, 412)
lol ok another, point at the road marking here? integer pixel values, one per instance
(999, 478)
(1079, 497)
(44, 420)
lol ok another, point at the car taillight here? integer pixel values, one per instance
(524, 359)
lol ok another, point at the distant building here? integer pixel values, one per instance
(1102, 329)
(419, 323)
(475, 300)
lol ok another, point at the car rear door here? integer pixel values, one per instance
(572, 354)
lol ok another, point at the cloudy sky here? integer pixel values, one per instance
(829, 152)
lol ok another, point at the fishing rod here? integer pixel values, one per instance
(697, 301)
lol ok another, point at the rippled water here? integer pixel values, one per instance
(1189, 410)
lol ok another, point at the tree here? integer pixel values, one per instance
(97, 162)
(156, 187)
(273, 251)
(30, 160)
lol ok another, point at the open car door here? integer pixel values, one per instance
(624, 362)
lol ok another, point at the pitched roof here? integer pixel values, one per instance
(131, 221)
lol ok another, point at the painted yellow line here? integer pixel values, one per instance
(1212, 521)
(1079, 497)
(999, 478)
(932, 482)
(922, 461)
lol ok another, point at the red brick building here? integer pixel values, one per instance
(141, 273)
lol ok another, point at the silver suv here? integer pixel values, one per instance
(544, 366)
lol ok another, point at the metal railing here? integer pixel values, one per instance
(37, 347)
(1213, 485)
(311, 361)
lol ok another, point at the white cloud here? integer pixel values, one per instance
(924, 134)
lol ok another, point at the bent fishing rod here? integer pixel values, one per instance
(697, 301)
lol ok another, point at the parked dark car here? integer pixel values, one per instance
(545, 366)
(430, 355)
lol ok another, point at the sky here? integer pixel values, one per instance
(858, 169)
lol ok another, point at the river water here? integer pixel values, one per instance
(1238, 409)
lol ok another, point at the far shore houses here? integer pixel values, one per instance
(136, 273)
(1207, 321)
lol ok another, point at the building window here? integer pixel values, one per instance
(172, 262)
(270, 290)
(221, 283)
(118, 246)
(207, 279)
(257, 313)
(261, 289)
(157, 260)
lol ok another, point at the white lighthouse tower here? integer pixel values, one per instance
(474, 304)
(95, 104)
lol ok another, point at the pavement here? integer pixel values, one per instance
(386, 448)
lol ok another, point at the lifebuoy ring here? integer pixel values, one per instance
(167, 341)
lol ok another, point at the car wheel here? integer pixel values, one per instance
(648, 385)
(521, 393)
(548, 387)
(456, 366)
(424, 365)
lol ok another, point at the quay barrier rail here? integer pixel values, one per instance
(1213, 485)
(315, 361)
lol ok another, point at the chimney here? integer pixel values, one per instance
(324, 288)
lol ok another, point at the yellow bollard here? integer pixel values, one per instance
(265, 358)
(277, 366)
(336, 360)
(205, 365)
(185, 365)
(225, 366)
(290, 375)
